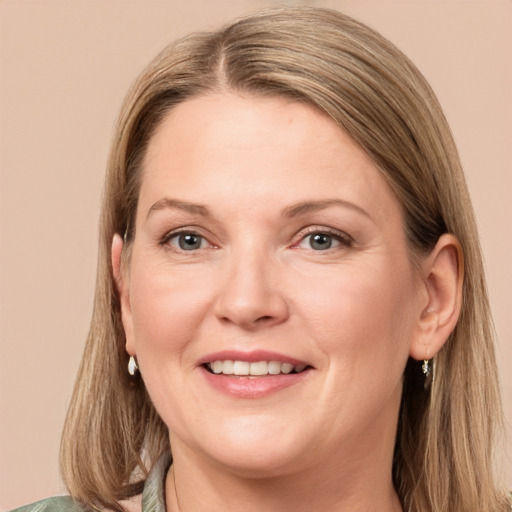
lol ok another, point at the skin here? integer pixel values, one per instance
(354, 312)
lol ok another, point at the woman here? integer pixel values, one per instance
(290, 290)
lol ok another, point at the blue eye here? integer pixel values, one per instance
(320, 241)
(187, 241)
(323, 240)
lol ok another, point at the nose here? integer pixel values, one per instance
(251, 295)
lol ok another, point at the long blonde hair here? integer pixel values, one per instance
(444, 448)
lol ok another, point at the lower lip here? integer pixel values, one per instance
(252, 386)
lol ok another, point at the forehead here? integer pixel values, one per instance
(233, 149)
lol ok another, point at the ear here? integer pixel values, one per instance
(442, 276)
(121, 278)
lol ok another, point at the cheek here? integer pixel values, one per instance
(166, 309)
(362, 315)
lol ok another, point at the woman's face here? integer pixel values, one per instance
(268, 241)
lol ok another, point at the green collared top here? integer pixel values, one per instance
(153, 497)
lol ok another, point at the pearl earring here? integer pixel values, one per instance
(132, 366)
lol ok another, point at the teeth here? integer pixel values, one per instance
(286, 367)
(217, 367)
(274, 367)
(241, 368)
(227, 367)
(258, 368)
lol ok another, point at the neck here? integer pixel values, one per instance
(346, 485)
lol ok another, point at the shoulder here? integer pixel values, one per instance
(67, 504)
(55, 504)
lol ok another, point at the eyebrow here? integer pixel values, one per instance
(294, 210)
(305, 207)
(166, 202)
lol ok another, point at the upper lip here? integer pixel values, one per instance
(253, 356)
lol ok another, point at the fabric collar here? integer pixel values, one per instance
(153, 495)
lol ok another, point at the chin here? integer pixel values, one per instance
(248, 447)
(258, 465)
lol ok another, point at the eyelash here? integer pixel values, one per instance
(339, 236)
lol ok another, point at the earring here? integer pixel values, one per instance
(428, 368)
(132, 366)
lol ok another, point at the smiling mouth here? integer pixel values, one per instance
(253, 369)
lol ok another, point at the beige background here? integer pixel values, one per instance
(64, 68)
